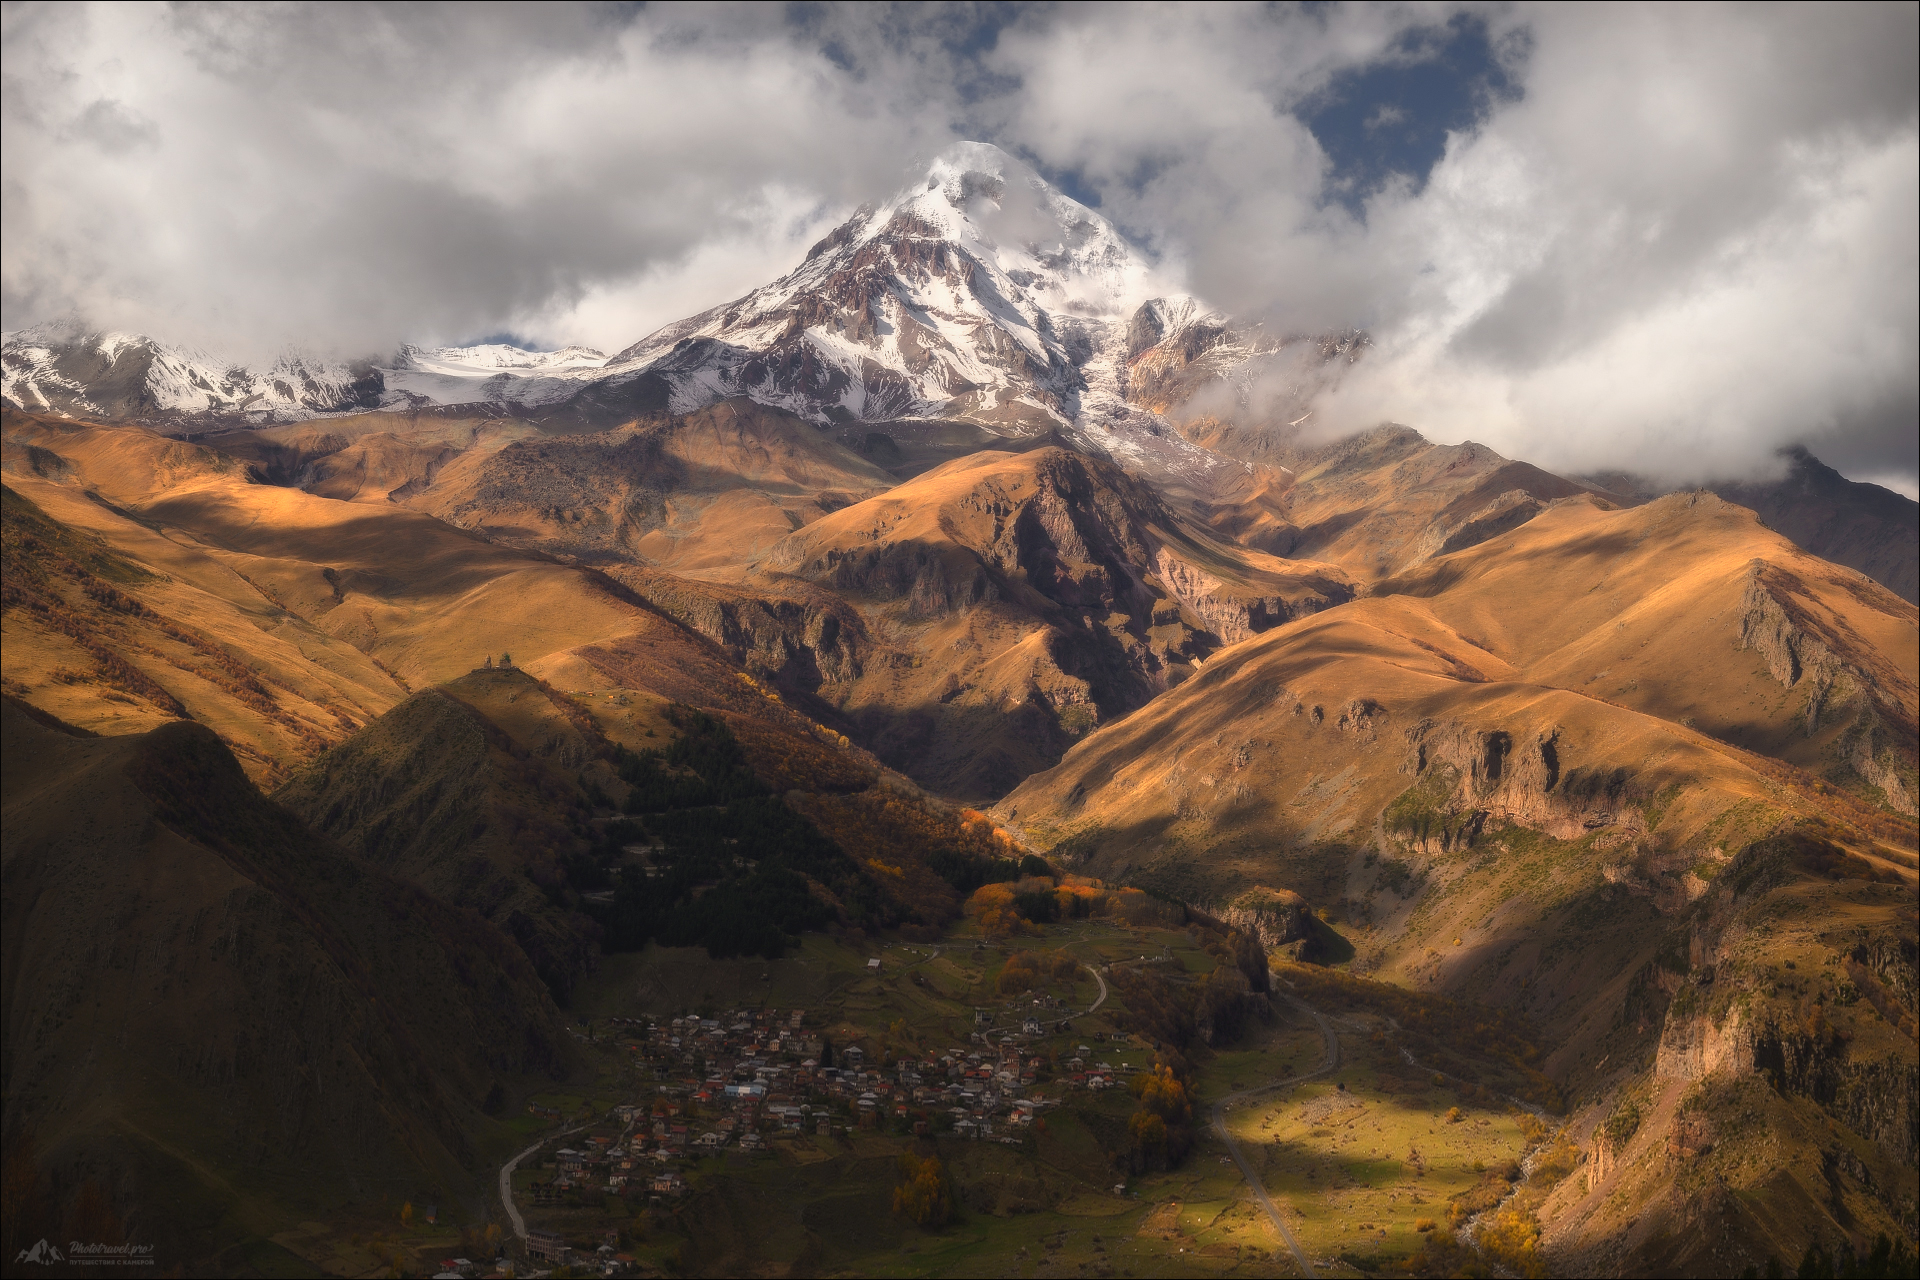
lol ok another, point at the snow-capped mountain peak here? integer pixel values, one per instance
(491, 373)
(978, 292)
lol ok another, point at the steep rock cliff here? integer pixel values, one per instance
(1841, 678)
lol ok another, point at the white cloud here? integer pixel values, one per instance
(1691, 238)
(353, 177)
(1693, 241)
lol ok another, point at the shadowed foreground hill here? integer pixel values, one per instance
(552, 813)
(475, 791)
(224, 1023)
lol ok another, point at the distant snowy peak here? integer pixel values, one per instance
(66, 368)
(69, 369)
(492, 358)
(507, 378)
(979, 292)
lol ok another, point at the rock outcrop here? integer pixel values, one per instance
(800, 640)
(1469, 775)
(1277, 916)
(1838, 675)
(1731, 1018)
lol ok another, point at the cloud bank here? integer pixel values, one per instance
(1657, 238)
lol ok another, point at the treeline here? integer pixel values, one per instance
(1026, 970)
(1017, 904)
(793, 761)
(1187, 1017)
(1160, 1129)
(703, 766)
(741, 871)
(735, 870)
(967, 871)
(926, 858)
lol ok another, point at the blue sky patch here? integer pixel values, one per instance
(1393, 115)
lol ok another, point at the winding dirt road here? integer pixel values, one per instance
(506, 1181)
(1254, 1182)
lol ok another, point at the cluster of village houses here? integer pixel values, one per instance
(737, 1081)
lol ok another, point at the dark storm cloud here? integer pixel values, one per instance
(1653, 237)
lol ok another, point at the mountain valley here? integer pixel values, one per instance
(411, 760)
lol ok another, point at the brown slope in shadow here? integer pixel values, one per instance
(1862, 526)
(369, 457)
(898, 834)
(226, 1022)
(477, 791)
(1387, 500)
(705, 494)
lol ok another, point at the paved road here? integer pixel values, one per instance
(1103, 989)
(1254, 1181)
(506, 1181)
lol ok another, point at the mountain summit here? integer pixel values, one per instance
(979, 292)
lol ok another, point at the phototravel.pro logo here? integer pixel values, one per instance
(43, 1253)
(47, 1254)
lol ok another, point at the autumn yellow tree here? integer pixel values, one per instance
(993, 906)
(1513, 1239)
(1149, 1134)
(1158, 1127)
(924, 1196)
(1022, 973)
(1161, 1093)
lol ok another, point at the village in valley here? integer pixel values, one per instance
(1030, 1083)
(749, 1081)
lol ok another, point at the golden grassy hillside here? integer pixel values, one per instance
(1429, 768)
(424, 600)
(1618, 771)
(1013, 601)
(118, 629)
(706, 494)
(1691, 610)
